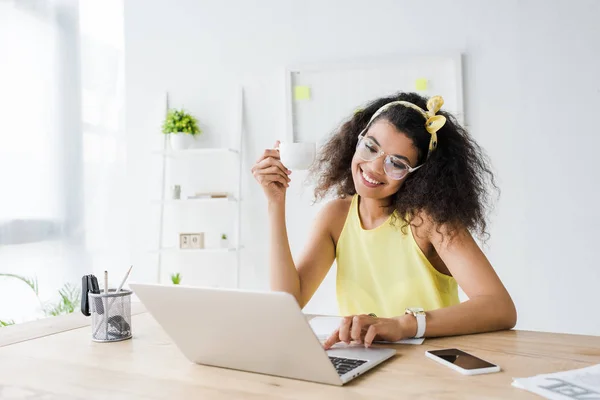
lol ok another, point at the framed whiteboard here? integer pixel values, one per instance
(319, 98)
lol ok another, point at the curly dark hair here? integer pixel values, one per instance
(452, 185)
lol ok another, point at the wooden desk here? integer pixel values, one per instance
(57, 360)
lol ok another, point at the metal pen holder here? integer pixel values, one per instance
(111, 315)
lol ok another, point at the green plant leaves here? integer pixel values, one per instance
(32, 283)
(176, 278)
(180, 121)
(70, 297)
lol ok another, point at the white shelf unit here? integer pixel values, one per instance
(183, 202)
(167, 153)
(209, 250)
(194, 152)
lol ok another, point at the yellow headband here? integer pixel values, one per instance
(433, 122)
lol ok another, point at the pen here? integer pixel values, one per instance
(124, 279)
(120, 286)
(106, 306)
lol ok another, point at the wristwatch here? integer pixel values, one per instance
(419, 314)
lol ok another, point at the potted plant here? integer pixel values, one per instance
(182, 129)
(224, 241)
(176, 278)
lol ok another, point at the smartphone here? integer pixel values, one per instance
(465, 363)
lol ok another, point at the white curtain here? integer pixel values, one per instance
(62, 148)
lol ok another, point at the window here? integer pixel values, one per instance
(62, 148)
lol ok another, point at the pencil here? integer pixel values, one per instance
(106, 282)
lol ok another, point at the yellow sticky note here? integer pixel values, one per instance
(421, 84)
(301, 92)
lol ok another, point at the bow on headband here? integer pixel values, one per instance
(433, 122)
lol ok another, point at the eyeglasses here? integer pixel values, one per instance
(394, 167)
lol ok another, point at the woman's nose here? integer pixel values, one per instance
(378, 164)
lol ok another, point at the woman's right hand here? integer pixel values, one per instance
(272, 175)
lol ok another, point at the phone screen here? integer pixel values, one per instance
(461, 359)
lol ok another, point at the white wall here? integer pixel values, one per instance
(532, 89)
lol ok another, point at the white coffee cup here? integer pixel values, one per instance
(297, 155)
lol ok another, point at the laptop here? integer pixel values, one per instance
(259, 332)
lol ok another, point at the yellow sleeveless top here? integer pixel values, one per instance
(383, 271)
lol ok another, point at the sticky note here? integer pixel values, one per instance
(301, 93)
(421, 84)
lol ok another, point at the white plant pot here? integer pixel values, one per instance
(224, 243)
(181, 141)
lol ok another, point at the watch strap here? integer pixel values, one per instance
(419, 315)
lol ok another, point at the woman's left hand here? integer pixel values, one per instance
(366, 329)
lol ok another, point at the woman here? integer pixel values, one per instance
(410, 187)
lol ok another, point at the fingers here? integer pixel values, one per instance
(270, 162)
(360, 324)
(271, 170)
(275, 170)
(270, 178)
(371, 334)
(362, 329)
(344, 330)
(332, 339)
(270, 175)
(272, 166)
(356, 330)
(274, 152)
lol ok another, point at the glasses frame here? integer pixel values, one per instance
(362, 136)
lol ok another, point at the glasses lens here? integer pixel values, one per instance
(395, 168)
(367, 149)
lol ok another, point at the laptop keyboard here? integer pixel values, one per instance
(344, 365)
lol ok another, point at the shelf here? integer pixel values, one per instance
(226, 150)
(198, 151)
(229, 199)
(210, 250)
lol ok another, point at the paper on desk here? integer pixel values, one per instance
(578, 384)
(324, 326)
